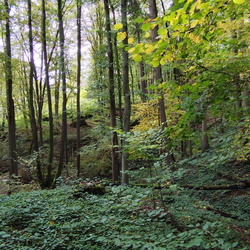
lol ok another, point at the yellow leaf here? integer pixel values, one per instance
(162, 61)
(131, 50)
(170, 58)
(238, 1)
(117, 26)
(149, 48)
(131, 40)
(194, 38)
(137, 57)
(147, 35)
(121, 36)
(194, 23)
(139, 48)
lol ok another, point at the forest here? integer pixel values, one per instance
(125, 124)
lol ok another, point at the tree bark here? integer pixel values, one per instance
(143, 81)
(78, 134)
(114, 137)
(47, 81)
(63, 147)
(126, 93)
(57, 92)
(246, 99)
(10, 102)
(118, 72)
(205, 143)
(31, 96)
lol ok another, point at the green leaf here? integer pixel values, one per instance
(194, 242)
(152, 87)
(162, 32)
(139, 20)
(146, 26)
(4, 234)
(155, 63)
(137, 57)
(206, 226)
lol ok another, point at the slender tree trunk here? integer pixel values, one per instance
(126, 93)
(143, 82)
(10, 101)
(157, 70)
(132, 85)
(24, 92)
(51, 127)
(190, 144)
(4, 115)
(57, 92)
(40, 91)
(64, 104)
(205, 144)
(118, 72)
(246, 95)
(79, 12)
(159, 79)
(31, 96)
(114, 137)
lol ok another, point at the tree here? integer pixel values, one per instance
(126, 92)
(31, 96)
(47, 81)
(117, 68)
(114, 138)
(63, 147)
(78, 23)
(10, 101)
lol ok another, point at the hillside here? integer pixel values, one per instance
(193, 206)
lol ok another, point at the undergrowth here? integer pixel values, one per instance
(123, 218)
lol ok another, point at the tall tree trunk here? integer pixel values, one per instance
(118, 71)
(31, 96)
(159, 79)
(126, 93)
(40, 91)
(114, 137)
(10, 101)
(78, 21)
(51, 127)
(157, 70)
(63, 147)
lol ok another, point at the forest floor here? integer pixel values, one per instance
(205, 207)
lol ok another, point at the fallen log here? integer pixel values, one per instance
(242, 184)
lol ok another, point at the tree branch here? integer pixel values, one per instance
(214, 71)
